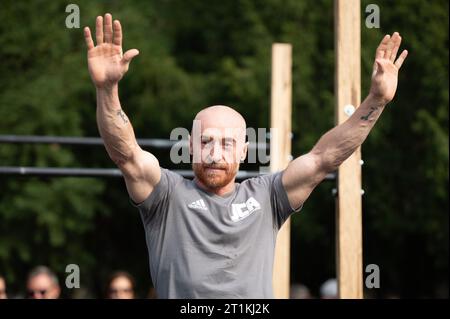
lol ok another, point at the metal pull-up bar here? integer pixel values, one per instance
(74, 140)
(97, 172)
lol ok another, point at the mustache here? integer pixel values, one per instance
(216, 166)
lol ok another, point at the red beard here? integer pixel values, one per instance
(215, 175)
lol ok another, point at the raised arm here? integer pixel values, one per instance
(107, 65)
(304, 173)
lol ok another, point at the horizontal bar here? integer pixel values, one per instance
(104, 172)
(50, 171)
(72, 140)
(92, 172)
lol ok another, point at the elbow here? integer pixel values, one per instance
(326, 161)
(127, 167)
(120, 159)
(137, 165)
(331, 164)
(120, 155)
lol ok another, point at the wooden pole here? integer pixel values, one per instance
(348, 92)
(280, 151)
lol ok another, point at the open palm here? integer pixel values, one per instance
(107, 64)
(386, 67)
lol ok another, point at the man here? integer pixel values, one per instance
(329, 289)
(3, 294)
(120, 285)
(42, 283)
(212, 237)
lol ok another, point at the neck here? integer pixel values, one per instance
(220, 191)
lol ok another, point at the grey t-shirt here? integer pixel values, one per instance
(202, 245)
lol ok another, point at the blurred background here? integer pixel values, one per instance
(198, 53)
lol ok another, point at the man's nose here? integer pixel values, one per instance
(216, 153)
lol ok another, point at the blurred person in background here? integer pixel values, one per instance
(151, 294)
(329, 289)
(300, 291)
(121, 285)
(42, 283)
(3, 288)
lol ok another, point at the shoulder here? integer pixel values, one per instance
(263, 181)
(171, 177)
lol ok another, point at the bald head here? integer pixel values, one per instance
(223, 119)
(220, 116)
(221, 122)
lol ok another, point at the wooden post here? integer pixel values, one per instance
(348, 92)
(280, 151)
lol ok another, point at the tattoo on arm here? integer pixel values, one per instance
(366, 117)
(123, 116)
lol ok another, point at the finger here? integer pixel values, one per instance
(108, 28)
(99, 30)
(380, 65)
(374, 69)
(117, 33)
(88, 38)
(389, 47)
(397, 41)
(129, 55)
(401, 59)
(382, 47)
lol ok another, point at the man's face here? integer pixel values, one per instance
(218, 166)
(42, 287)
(217, 145)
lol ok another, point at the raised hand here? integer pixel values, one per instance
(107, 64)
(386, 67)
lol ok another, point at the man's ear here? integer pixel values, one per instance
(244, 151)
(190, 144)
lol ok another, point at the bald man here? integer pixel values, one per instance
(211, 237)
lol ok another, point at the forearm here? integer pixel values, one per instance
(339, 143)
(114, 126)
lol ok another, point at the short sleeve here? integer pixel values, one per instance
(280, 200)
(281, 206)
(157, 203)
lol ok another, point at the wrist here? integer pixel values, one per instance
(376, 100)
(108, 97)
(108, 88)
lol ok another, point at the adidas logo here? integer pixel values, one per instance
(198, 204)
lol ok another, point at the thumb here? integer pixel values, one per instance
(129, 55)
(380, 65)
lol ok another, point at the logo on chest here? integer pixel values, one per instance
(241, 211)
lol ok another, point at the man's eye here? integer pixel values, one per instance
(206, 143)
